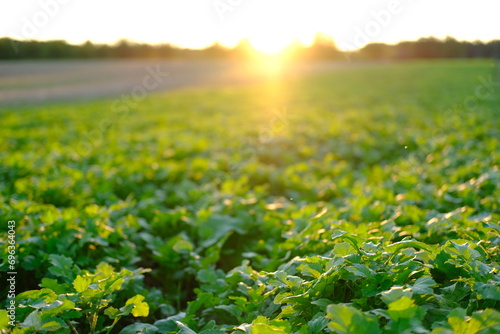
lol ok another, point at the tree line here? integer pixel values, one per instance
(323, 47)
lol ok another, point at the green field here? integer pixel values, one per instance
(364, 200)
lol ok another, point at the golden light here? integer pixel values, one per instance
(269, 45)
(271, 64)
(270, 41)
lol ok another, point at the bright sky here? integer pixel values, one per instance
(268, 24)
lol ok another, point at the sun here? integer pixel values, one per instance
(269, 45)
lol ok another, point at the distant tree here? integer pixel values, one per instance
(323, 47)
(123, 49)
(243, 49)
(376, 51)
(216, 51)
(296, 50)
(495, 49)
(8, 48)
(88, 50)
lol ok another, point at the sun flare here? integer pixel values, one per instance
(269, 45)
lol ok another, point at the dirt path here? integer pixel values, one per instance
(36, 82)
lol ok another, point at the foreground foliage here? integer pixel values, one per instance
(361, 201)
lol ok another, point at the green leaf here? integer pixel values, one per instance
(308, 270)
(183, 246)
(62, 266)
(105, 269)
(262, 325)
(479, 321)
(487, 291)
(4, 319)
(423, 285)
(207, 276)
(402, 308)
(343, 249)
(460, 324)
(114, 281)
(281, 297)
(53, 324)
(184, 329)
(463, 250)
(33, 320)
(318, 323)
(488, 318)
(231, 309)
(349, 320)
(57, 307)
(139, 328)
(395, 293)
(81, 283)
(397, 246)
(71, 314)
(169, 324)
(36, 298)
(111, 312)
(61, 261)
(125, 310)
(217, 227)
(53, 285)
(361, 270)
(337, 233)
(211, 331)
(322, 303)
(140, 309)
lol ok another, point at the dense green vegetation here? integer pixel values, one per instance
(360, 201)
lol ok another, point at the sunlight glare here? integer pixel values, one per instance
(269, 46)
(271, 64)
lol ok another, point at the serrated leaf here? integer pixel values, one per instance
(105, 269)
(262, 325)
(361, 270)
(402, 308)
(343, 249)
(81, 283)
(423, 285)
(53, 285)
(348, 320)
(318, 322)
(487, 291)
(60, 261)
